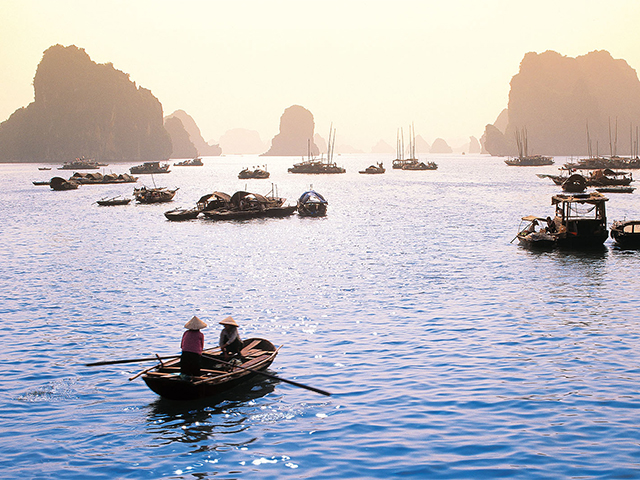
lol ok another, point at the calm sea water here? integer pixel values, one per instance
(450, 352)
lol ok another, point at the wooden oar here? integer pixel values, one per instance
(260, 372)
(133, 360)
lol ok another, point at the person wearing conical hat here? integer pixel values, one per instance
(230, 342)
(192, 345)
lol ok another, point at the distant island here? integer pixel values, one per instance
(82, 108)
(296, 135)
(557, 99)
(194, 142)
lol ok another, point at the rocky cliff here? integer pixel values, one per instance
(296, 134)
(181, 144)
(84, 109)
(195, 137)
(555, 98)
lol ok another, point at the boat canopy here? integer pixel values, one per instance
(311, 195)
(593, 198)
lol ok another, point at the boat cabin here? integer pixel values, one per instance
(581, 219)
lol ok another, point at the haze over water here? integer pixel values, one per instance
(450, 352)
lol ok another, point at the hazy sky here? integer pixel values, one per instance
(368, 66)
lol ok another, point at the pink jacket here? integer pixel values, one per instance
(192, 341)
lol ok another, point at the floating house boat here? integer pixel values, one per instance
(626, 234)
(580, 222)
(312, 204)
(149, 168)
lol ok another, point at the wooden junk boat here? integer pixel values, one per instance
(373, 169)
(216, 377)
(245, 205)
(312, 204)
(150, 167)
(194, 162)
(626, 234)
(107, 202)
(154, 195)
(255, 173)
(59, 184)
(580, 222)
(318, 165)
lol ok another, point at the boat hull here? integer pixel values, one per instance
(174, 387)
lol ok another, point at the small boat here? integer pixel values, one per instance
(255, 173)
(626, 234)
(154, 195)
(580, 222)
(60, 184)
(529, 161)
(194, 162)
(216, 378)
(373, 169)
(44, 168)
(41, 183)
(318, 165)
(533, 236)
(607, 177)
(213, 201)
(312, 204)
(109, 202)
(82, 164)
(576, 183)
(420, 166)
(245, 205)
(150, 167)
(96, 178)
(524, 159)
(181, 214)
(615, 189)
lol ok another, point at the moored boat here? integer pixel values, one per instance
(106, 202)
(312, 204)
(149, 168)
(154, 195)
(194, 162)
(580, 222)
(60, 184)
(255, 173)
(615, 189)
(216, 377)
(626, 234)
(82, 164)
(181, 214)
(373, 169)
(417, 165)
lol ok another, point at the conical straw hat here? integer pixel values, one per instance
(195, 324)
(229, 321)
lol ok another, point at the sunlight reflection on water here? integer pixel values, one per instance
(451, 352)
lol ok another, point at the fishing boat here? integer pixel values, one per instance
(607, 177)
(626, 234)
(82, 164)
(41, 182)
(615, 189)
(217, 376)
(533, 236)
(213, 201)
(97, 178)
(373, 169)
(312, 204)
(149, 168)
(44, 168)
(154, 195)
(576, 183)
(181, 214)
(580, 222)
(194, 162)
(246, 205)
(60, 184)
(109, 202)
(420, 166)
(255, 173)
(318, 165)
(524, 159)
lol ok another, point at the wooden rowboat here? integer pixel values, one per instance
(216, 377)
